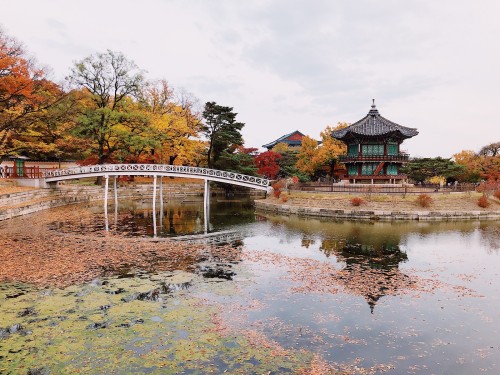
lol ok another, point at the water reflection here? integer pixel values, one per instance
(370, 253)
(372, 267)
(135, 218)
(342, 267)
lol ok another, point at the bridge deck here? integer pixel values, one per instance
(157, 170)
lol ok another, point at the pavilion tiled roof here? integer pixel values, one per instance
(374, 125)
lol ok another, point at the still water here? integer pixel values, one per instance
(303, 296)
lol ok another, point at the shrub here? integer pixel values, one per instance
(284, 197)
(357, 201)
(483, 201)
(497, 194)
(424, 200)
(277, 188)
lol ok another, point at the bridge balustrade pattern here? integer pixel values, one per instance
(156, 169)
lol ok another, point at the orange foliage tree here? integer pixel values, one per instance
(318, 159)
(24, 91)
(484, 165)
(330, 149)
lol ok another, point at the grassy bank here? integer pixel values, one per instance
(388, 202)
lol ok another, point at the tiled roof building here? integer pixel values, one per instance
(373, 149)
(293, 139)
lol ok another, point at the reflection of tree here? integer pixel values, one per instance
(490, 235)
(306, 242)
(179, 220)
(372, 267)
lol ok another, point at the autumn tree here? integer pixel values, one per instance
(49, 135)
(174, 121)
(24, 92)
(281, 148)
(489, 160)
(484, 165)
(110, 80)
(490, 168)
(221, 130)
(330, 149)
(306, 162)
(472, 165)
(267, 164)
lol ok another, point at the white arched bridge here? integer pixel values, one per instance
(155, 170)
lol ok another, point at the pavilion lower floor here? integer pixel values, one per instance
(375, 179)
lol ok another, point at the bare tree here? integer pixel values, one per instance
(493, 149)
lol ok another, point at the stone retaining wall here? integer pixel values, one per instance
(284, 209)
(27, 202)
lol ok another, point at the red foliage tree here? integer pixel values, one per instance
(267, 164)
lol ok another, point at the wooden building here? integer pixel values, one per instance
(374, 149)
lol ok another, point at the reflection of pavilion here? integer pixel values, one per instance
(372, 269)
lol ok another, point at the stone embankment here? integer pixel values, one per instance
(385, 215)
(26, 202)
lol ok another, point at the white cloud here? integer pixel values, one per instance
(297, 65)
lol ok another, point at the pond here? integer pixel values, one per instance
(290, 295)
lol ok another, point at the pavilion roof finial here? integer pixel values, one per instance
(373, 111)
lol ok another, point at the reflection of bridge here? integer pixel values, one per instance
(155, 171)
(212, 238)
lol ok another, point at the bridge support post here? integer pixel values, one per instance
(161, 202)
(206, 205)
(116, 201)
(161, 190)
(106, 187)
(115, 191)
(154, 205)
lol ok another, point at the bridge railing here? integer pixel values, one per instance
(157, 169)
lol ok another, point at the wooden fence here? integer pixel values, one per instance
(382, 188)
(24, 172)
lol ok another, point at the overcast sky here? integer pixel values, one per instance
(288, 65)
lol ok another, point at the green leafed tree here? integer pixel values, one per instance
(221, 130)
(110, 79)
(240, 161)
(422, 169)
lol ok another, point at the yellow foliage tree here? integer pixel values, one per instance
(313, 157)
(472, 163)
(328, 152)
(306, 158)
(281, 148)
(175, 125)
